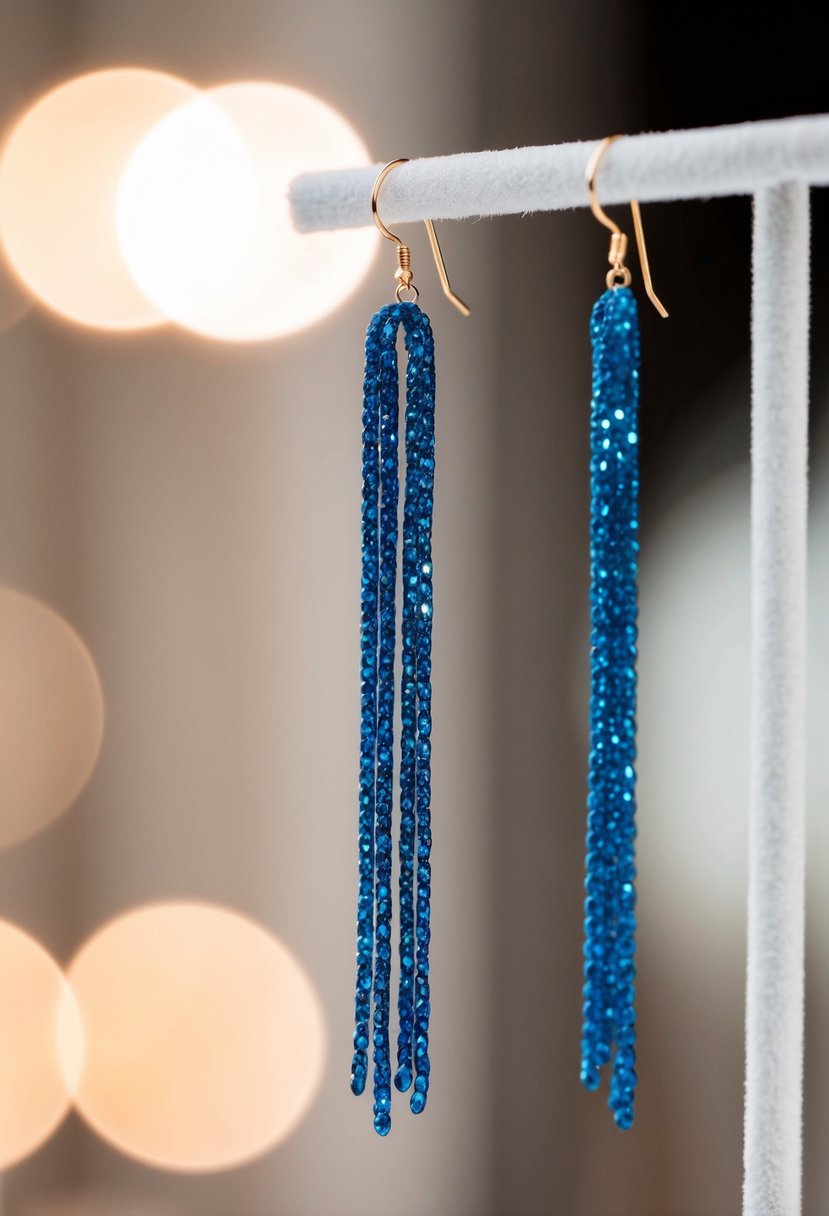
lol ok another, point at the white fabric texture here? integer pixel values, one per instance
(739, 159)
(775, 981)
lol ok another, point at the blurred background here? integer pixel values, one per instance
(179, 560)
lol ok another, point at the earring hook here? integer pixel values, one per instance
(403, 274)
(619, 275)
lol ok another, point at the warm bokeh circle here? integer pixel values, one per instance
(204, 218)
(40, 1045)
(51, 715)
(205, 1039)
(60, 171)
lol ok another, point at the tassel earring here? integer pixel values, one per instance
(378, 643)
(609, 1019)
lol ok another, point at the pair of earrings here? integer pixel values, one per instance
(608, 1012)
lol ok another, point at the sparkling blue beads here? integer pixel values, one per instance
(609, 1019)
(378, 629)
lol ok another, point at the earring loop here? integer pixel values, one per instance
(619, 274)
(375, 194)
(404, 255)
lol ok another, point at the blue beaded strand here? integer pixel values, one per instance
(408, 751)
(610, 921)
(369, 634)
(421, 389)
(378, 628)
(389, 493)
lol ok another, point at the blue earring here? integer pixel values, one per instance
(609, 1017)
(378, 640)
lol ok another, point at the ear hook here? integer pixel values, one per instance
(619, 275)
(403, 274)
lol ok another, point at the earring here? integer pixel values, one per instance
(378, 637)
(609, 1018)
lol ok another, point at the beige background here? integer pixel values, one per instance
(193, 510)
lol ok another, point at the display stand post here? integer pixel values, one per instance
(775, 982)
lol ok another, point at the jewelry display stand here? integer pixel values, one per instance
(776, 162)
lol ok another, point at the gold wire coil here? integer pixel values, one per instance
(403, 274)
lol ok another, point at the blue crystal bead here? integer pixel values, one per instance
(380, 543)
(608, 1027)
(403, 1079)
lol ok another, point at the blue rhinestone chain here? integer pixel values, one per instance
(369, 633)
(610, 920)
(377, 650)
(420, 389)
(389, 493)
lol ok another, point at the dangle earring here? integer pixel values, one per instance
(378, 637)
(608, 1027)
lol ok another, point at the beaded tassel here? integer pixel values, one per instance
(610, 920)
(377, 649)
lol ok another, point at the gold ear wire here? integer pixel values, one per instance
(403, 274)
(619, 274)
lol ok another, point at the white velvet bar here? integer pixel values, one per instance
(708, 162)
(775, 980)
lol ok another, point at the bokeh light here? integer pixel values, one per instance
(51, 715)
(695, 695)
(204, 220)
(15, 300)
(40, 1045)
(695, 684)
(59, 176)
(205, 1039)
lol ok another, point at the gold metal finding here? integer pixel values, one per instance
(403, 274)
(619, 274)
